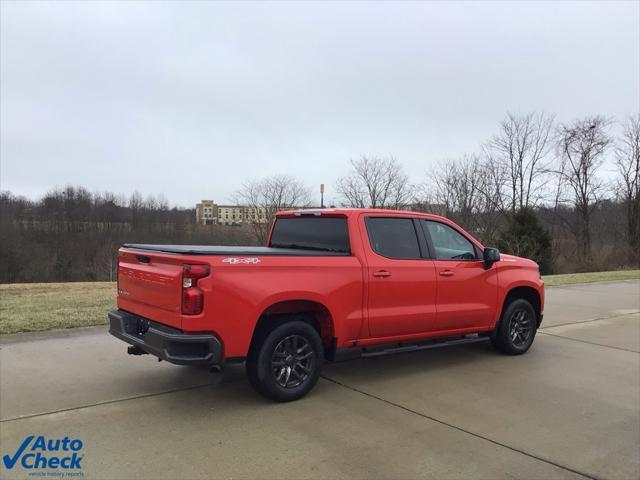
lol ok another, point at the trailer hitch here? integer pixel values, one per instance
(135, 350)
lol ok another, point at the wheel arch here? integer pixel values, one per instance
(313, 312)
(525, 292)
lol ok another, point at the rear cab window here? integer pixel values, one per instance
(393, 237)
(329, 234)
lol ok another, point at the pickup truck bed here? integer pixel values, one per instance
(241, 251)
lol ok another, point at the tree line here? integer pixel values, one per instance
(536, 188)
(72, 234)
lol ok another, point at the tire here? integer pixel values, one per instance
(285, 363)
(517, 328)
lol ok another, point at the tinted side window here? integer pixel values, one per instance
(311, 233)
(448, 243)
(393, 237)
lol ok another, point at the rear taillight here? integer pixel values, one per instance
(192, 296)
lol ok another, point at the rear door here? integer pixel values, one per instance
(401, 281)
(467, 293)
(150, 285)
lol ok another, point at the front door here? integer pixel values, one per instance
(401, 281)
(467, 292)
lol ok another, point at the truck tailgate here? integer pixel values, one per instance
(150, 285)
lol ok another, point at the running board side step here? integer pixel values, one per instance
(400, 348)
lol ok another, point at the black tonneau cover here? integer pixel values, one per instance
(219, 250)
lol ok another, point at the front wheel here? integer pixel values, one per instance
(286, 364)
(517, 328)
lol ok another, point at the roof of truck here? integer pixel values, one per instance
(355, 211)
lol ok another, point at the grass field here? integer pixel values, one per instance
(33, 307)
(570, 278)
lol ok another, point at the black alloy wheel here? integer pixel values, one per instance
(516, 329)
(285, 360)
(292, 361)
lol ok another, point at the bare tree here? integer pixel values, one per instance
(519, 155)
(438, 189)
(582, 145)
(464, 189)
(375, 182)
(628, 166)
(269, 195)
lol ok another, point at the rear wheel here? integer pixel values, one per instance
(517, 328)
(285, 363)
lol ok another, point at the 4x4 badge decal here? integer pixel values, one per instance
(235, 260)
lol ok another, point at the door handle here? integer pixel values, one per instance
(382, 274)
(446, 273)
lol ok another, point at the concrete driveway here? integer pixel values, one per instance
(570, 408)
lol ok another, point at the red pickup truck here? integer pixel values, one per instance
(332, 283)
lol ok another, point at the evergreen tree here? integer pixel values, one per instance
(526, 237)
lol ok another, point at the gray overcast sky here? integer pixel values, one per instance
(190, 99)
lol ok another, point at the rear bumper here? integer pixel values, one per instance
(165, 342)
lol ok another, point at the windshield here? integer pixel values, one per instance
(311, 233)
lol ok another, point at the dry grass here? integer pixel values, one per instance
(32, 307)
(570, 278)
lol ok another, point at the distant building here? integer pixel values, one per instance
(230, 214)
(206, 212)
(210, 213)
(255, 215)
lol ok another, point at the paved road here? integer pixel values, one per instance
(570, 408)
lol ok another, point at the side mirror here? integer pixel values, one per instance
(490, 256)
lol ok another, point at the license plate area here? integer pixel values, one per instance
(137, 326)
